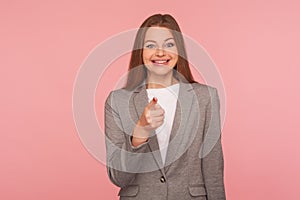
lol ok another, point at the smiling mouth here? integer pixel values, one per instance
(161, 62)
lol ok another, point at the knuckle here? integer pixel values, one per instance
(148, 119)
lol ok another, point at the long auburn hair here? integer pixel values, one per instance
(137, 71)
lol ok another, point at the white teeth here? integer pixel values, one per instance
(160, 61)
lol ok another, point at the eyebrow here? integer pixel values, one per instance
(155, 41)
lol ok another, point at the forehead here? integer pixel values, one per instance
(158, 34)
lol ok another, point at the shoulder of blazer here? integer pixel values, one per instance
(201, 86)
(203, 90)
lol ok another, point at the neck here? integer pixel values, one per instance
(160, 82)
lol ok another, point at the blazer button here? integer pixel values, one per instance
(162, 179)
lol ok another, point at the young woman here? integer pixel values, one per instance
(163, 128)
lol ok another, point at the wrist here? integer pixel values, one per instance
(140, 135)
(135, 141)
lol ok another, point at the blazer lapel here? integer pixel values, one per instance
(183, 108)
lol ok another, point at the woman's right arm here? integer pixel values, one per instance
(125, 152)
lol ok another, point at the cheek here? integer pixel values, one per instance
(174, 60)
(147, 58)
(175, 57)
(173, 52)
(146, 55)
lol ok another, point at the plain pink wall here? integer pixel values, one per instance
(255, 45)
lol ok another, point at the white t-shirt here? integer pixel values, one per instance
(167, 99)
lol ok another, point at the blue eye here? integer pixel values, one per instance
(150, 46)
(170, 44)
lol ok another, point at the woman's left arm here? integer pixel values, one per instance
(212, 153)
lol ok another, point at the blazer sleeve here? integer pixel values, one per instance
(212, 154)
(122, 159)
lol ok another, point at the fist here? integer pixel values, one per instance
(153, 116)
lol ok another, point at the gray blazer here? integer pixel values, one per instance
(194, 164)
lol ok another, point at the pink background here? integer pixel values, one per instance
(255, 45)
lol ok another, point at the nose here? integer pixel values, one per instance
(160, 52)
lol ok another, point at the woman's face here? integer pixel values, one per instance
(160, 53)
